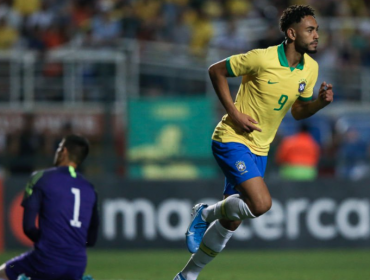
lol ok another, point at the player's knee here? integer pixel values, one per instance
(230, 225)
(261, 207)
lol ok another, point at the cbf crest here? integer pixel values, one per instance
(240, 165)
(302, 85)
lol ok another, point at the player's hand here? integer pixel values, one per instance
(245, 122)
(326, 94)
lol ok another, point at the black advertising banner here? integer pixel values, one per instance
(151, 214)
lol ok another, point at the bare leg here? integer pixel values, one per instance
(253, 201)
(256, 195)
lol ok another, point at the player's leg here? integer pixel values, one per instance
(28, 266)
(248, 193)
(213, 242)
(18, 268)
(225, 216)
(3, 275)
(253, 201)
(243, 170)
(254, 198)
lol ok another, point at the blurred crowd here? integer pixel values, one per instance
(29, 142)
(304, 151)
(304, 155)
(47, 24)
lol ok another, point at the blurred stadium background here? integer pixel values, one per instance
(131, 75)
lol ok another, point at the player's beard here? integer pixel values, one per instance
(312, 50)
(306, 47)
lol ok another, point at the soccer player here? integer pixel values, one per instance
(274, 80)
(66, 205)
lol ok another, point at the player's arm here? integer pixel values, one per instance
(92, 234)
(32, 206)
(218, 74)
(304, 109)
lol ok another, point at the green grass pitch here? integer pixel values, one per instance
(230, 265)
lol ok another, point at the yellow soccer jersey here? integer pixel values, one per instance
(268, 90)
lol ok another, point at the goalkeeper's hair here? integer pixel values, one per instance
(77, 147)
(294, 14)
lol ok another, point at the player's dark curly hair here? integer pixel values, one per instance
(294, 14)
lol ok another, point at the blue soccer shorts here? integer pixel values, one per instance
(238, 163)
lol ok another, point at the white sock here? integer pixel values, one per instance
(214, 240)
(232, 208)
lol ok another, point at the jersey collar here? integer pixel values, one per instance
(283, 60)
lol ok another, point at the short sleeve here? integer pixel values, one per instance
(249, 63)
(306, 95)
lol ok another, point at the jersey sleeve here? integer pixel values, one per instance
(33, 182)
(32, 206)
(249, 63)
(308, 91)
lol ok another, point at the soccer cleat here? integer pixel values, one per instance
(23, 277)
(87, 277)
(179, 277)
(196, 229)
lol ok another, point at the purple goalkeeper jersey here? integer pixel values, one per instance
(67, 205)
